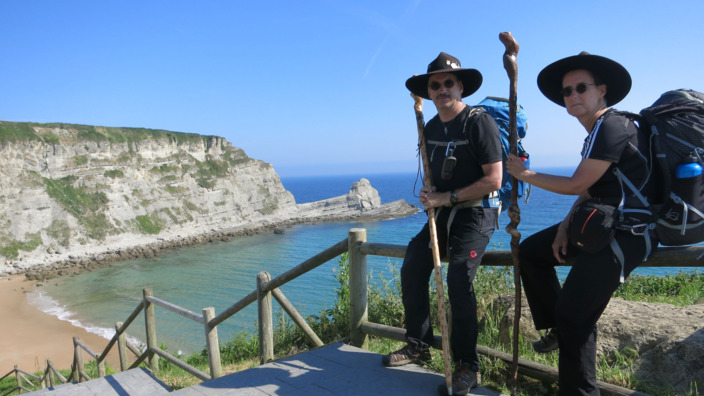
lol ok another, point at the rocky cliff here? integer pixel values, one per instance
(68, 191)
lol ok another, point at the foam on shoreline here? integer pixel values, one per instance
(40, 300)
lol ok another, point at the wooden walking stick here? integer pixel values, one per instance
(514, 212)
(427, 182)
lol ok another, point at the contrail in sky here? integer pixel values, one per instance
(391, 28)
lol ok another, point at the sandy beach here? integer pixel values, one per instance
(29, 336)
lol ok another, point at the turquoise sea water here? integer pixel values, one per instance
(219, 274)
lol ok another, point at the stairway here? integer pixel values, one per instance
(133, 382)
(335, 369)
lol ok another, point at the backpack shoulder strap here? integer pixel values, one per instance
(472, 119)
(637, 118)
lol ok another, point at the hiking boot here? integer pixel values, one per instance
(463, 380)
(408, 354)
(547, 343)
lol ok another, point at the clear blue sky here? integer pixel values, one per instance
(317, 87)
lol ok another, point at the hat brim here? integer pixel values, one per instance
(471, 81)
(615, 76)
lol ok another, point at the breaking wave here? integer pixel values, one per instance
(48, 305)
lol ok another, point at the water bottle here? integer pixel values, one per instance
(688, 168)
(688, 185)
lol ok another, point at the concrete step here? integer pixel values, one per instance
(135, 382)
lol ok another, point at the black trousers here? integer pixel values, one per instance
(575, 307)
(469, 235)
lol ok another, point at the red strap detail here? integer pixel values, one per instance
(587, 221)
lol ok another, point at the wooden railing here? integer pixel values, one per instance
(361, 328)
(21, 377)
(266, 287)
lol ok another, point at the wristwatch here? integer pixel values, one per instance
(453, 197)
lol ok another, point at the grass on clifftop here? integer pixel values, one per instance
(26, 131)
(684, 288)
(385, 307)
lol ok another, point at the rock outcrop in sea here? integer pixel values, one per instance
(74, 196)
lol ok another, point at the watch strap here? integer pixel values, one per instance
(453, 197)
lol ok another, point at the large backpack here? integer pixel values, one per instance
(675, 125)
(498, 109)
(676, 122)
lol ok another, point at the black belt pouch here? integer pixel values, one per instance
(591, 225)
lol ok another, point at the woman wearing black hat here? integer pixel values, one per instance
(586, 85)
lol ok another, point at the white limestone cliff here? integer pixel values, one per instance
(73, 190)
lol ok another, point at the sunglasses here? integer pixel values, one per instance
(580, 88)
(449, 83)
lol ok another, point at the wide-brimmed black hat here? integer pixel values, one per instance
(615, 76)
(445, 63)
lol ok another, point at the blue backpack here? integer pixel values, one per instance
(498, 109)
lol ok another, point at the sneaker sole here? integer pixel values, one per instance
(541, 350)
(386, 361)
(442, 389)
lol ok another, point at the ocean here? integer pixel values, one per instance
(219, 274)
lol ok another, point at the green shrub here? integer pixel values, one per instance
(150, 224)
(60, 231)
(86, 207)
(165, 168)
(205, 182)
(168, 179)
(11, 248)
(174, 189)
(212, 168)
(114, 174)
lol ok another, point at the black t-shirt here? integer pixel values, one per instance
(617, 139)
(480, 145)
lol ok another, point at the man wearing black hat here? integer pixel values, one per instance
(465, 158)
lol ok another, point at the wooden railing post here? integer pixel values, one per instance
(358, 287)
(49, 381)
(121, 347)
(79, 371)
(150, 325)
(18, 379)
(266, 325)
(101, 367)
(212, 344)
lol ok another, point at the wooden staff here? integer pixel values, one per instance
(427, 182)
(514, 212)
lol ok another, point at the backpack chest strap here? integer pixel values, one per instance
(445, 144)
(451, 145)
